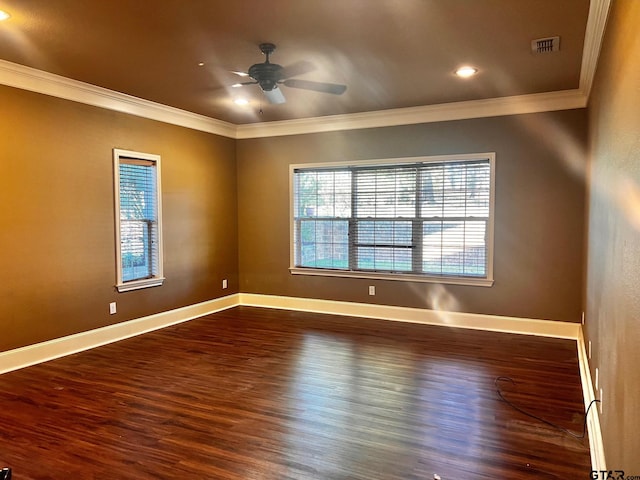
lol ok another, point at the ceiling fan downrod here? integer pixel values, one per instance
(267, 49)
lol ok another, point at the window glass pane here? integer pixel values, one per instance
(325, 195)
(456, 190)
(454, 248)
(384, 259)
(432, 191)
(385, 232)
(136, 249)
(475, 249)
(342, 205)
(322, 194)
(432, 247)
(305, 194)
(324, 244)
(478, 190)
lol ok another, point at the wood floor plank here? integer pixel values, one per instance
(253, 393)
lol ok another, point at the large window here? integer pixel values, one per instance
(138, 220)
(425, 219)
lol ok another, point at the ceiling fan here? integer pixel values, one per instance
(270, 75)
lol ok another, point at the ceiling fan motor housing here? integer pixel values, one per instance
(266, 74)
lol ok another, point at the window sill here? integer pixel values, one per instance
(477, 282)
(138, 284)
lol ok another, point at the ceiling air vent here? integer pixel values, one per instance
(545, 45)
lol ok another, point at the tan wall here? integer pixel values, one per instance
(57, 241)
(539, 212)
(613, 273)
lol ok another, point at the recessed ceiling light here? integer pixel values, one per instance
(241, 101)
(4, 15)
(201, 64)
(466, 72)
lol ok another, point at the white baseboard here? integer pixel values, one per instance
(60, 347)
(596, 447)
(494, 323)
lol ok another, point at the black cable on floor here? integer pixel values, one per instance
(529, 414)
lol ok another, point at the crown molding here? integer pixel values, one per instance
(492, 107)
(596, 23)
(27, 78)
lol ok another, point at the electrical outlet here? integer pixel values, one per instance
(372, 290)
(597, 378)
(224, 283)
(112, 308)
(600, 403)
(589, 349)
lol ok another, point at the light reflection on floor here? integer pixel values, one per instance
(340, 388)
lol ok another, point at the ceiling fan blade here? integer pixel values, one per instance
(242, 84)
(240, 74)
(274, 96)
(295, 69)
(333, 88)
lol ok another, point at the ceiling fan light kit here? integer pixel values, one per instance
(270, 75)
(274, 95)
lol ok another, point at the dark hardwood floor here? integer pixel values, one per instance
(254, 393)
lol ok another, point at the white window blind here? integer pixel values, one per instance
(138, 220)
(425, 218)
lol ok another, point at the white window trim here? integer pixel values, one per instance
(443, 279)
(159, 278)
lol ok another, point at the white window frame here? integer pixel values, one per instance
(486, 281)
(157, 279)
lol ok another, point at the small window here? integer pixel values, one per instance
(419, 219)
(138, 220)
